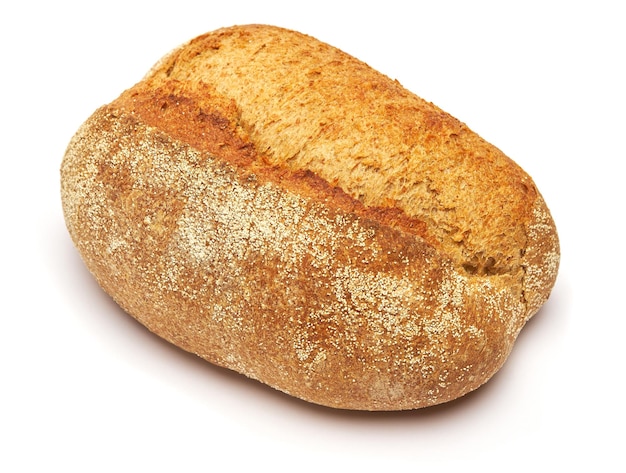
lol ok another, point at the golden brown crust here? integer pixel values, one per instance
(307, 105)
(187, 206)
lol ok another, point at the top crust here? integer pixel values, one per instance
(277, 207)
(308, 106)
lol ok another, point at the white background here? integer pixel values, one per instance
(85, 388)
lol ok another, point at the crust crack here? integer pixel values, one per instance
(213, 124)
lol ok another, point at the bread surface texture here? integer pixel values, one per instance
(279, 208)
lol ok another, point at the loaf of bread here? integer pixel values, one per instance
(279, 208)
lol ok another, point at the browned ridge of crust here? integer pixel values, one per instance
(278, 208)
(210, 123)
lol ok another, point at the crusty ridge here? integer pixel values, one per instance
(306, 105)
(211, 123)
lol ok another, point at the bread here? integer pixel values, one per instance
(277, 207)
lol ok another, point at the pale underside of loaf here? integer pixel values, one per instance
(277, 207)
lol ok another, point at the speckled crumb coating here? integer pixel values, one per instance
(200, 227)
